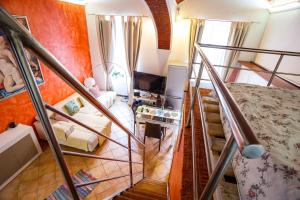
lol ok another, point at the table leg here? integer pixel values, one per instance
(137, 134)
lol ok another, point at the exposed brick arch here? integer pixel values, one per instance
(179, 1)
(159, 10)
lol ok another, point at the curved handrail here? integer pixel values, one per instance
(254, 50)
(247, 142)
(10, 24)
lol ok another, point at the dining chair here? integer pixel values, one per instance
(154, 131)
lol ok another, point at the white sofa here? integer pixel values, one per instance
(107, 98)
(73, 135)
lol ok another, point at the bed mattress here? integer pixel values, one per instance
(274, 116)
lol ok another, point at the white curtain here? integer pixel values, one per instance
(196, 31)
(132, 39)
(215, 32)
(237, 36)
(105, 34)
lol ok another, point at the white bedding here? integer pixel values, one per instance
(274, 116)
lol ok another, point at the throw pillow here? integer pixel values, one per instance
(95, 92)
(72, 108)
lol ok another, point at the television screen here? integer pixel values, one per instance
(149, 82)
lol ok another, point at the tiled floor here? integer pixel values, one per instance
(43, 176)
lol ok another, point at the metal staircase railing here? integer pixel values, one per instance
(242, 138)
(19, 37)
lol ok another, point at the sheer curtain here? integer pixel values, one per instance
(215, 32)
(132, 39)
(196, 31)
(105, 35)
(237, 36)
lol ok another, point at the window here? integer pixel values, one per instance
(215, 32)
(118, 72)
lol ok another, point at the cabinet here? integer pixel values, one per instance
(18, 148)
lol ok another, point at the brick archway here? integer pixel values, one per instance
(160, 12)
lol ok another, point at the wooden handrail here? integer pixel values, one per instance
(247, 142)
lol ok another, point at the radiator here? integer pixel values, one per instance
(18, 148)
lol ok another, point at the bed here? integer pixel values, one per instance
(274, 115)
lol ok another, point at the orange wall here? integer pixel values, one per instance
(61, 28)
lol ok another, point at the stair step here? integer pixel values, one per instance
(133, 195)
(213, 117)
(217, 144)
(147, 189)
(144, 192)
(214, 129)
(147, 180)
(152, 188)
(229, 191)
(229, 171)
(211, 108)
(210, 100)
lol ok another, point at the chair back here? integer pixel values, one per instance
(153, 130)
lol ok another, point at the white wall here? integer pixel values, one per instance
(282, 33)
(151, 59)
(232, 10)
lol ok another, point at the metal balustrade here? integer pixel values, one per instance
(243, 138)
(19, 38)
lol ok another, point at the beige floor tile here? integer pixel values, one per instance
(46, 191)
(31, 196)
(46, 168)
(110, 167)
(31, 173)
(101, 187)
(97, 172)
(8, 194)
(28, 187)
(91, 163)
(46, 180)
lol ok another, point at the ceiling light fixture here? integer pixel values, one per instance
(178, 16)
(284, 6)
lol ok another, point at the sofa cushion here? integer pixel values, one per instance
(92, 120)
(82, 139)
(62, 129)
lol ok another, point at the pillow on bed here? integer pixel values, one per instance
(72, 108)
(95, 92)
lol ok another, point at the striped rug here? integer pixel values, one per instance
(63, 193)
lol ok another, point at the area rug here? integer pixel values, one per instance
(63, 193)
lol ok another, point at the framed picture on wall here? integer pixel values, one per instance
(11, 82)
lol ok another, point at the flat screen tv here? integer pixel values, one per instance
(149, 82)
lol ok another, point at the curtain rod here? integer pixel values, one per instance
(224, 20)
(113, 15)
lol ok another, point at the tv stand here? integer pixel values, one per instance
(149, 99)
